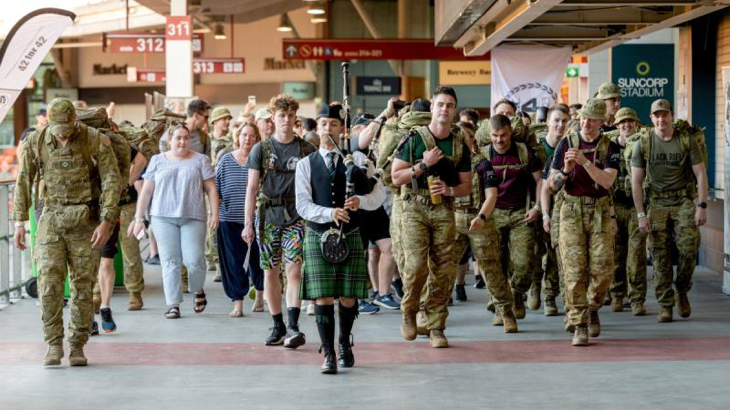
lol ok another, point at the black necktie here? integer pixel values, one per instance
(331, 165)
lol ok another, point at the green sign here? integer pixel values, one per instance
(572, 72)
(644, 72)
(300, 91)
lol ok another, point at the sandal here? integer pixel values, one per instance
(235, 313)
(257, 308)
(200, 302)
(173, 313)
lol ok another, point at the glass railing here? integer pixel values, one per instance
(15, 265)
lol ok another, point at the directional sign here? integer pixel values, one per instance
(389, 49)
(144, 43)
(218, 65)
(572, 72)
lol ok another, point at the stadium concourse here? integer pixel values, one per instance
(213, 361)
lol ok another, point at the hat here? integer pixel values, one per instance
(332, 111)
(263, 114)
(594, 109)
(61, 117)
(219, 113)
(42, 112)
(608, 90)
(626, 113)
(661, 105)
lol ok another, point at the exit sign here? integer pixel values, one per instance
(572, 72)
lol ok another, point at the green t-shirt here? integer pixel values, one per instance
(666, 171)
(416, 146)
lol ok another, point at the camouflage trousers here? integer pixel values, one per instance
(554, 253)
(428, 240)
(133, 271)
(63, 242)
(516, 247)
(211, 243)
(545, 266)
(629, 256)
(673, 224)
(586, 246)
(484, 245)
(396, 243)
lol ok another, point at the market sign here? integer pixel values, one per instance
(377, 85)
(644, 72)
(299, 91)
(218, 65)
(388, 49)
(140, 43)
(465, 72)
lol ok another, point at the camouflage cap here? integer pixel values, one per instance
(608, 90)
(594, 109)
(661, 105)
(624, 114)
(220, 112)
(61, 117)
(263, 114)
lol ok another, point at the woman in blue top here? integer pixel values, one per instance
(176, 183)
(236, 261)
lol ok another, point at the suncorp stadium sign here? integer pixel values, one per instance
(644, 73)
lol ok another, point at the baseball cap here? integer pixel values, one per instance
(661, 105)
(61, 117)
(263, 114)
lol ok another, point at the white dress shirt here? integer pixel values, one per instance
(310, 211)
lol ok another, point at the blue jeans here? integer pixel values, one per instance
(180, 240)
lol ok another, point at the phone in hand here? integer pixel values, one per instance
(398, 105)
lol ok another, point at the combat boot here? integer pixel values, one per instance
(569, 327)
(665, 315)
(510, 323)
(438, 340)
(683, 306)
(53, 355)
(408, 327)
(217, 277)
(551, 309)
(490, 304)
(421, 324)
(519, 307)
(135, 301)
(533, 297)
(638, 309)
(76, 356)
(580, 338)
(594, 324)
(617, 304)
(497, 319)
(96, 300)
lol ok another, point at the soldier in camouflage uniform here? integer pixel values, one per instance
(610, 93)
(673, 162)
(81, 189)
(429, 234)
(475, 226)
(220, 140)
(629, 263)
(586, 165)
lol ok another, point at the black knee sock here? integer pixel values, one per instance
(278, 319)
(293, 315)
(325, 318)
(347, 319)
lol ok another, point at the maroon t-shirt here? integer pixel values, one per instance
(579, 183)
(513, 183)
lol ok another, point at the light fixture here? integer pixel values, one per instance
(318, 19)
(284, 24)
(219, 33)
(315, 9)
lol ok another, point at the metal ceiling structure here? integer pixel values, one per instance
(245, 11)
(477, 26)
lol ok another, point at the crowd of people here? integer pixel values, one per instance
(375, 211)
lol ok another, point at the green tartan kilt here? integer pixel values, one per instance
(322, 279)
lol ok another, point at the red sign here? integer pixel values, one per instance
(179, 28)
(392, 49)
(218, 65)
(145, 75)
(145, 42)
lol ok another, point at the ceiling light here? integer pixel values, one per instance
(318, 19)
(284, 24)
(315, 9)
(219, 34)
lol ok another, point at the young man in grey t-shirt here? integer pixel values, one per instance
(278, 227)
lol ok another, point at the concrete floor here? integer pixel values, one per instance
(208, 360)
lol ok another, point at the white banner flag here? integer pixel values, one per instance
(25, 47)
(529, 76)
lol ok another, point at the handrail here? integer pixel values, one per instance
(15, 268)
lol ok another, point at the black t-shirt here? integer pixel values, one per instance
(487, 177)
(579, 183)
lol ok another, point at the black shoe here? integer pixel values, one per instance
(397, 286)
(479, 284)
(346, 358)
(329, 366)
(294, 338)
(153, 260)
(94, 328)
(278, 334)
(460, 293)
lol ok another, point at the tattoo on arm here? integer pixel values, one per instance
(558, 180)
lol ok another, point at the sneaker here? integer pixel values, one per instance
(479, 284)
(397, 287)
(94, 328)
(278, 334)
(294, 338)
(387, 302)
(460, 293)
(366, 308)
(107, 322)
(310, 309)
(153, 260)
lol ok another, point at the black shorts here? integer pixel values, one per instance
(110, 247)
(466, 256)
(374, 226)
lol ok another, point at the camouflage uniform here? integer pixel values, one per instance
(77, 195)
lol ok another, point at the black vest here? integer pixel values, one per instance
(329, 192)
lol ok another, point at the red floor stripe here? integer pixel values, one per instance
(399, 353)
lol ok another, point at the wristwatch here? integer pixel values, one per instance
(545, 217)
(423, 166)
(702, 205)
(482, 217)
(587, 164)
(641, 215)
(564, 173)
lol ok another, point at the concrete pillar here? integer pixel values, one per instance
(403, 9)
(179, 59)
